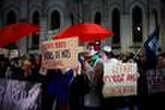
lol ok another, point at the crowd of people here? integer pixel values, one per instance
(79, 87)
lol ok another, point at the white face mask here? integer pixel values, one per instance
(104, 56)
(92, 52)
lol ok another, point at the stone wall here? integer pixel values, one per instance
(24, 10)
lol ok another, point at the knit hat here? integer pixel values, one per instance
(107, 49)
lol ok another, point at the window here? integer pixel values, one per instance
(35, 37)
(116, 26)
(137, 25)
(55, 20)
(72, 19)
(11, 19)
(98, 18)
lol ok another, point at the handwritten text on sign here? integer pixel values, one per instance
(120, 79)
(19, 95)
(59, 53)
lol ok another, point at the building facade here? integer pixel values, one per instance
(131, 20)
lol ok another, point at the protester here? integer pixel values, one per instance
(3, 65)
(35, 67)
(80, 84)
(14, 69)
(59, 87)
(94, 71)
(80, 88)
(93, 53)
(106, 56)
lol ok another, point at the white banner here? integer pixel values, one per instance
(156, 81)
(120, 79)
(19, 95)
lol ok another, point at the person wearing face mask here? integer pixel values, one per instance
(109, 103)
(94, 71)
(93, 53)
(14, 68)
(105, 53)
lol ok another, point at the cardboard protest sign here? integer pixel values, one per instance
(80, 49)
(14, 53)
(59, 53)
(20, 95)
(120, 79)
(4, 51)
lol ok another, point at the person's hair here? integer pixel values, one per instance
(96, 46)
(109, 54)
(91, 45)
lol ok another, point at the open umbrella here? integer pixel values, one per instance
(14, 32)
(85, 32)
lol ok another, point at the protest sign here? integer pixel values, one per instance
(14, 53)
(156, 81)
(80, 49)
(120, 79)
(4, 51)
(19, 95)
(59, 53)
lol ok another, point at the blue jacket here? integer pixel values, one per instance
(59, 86)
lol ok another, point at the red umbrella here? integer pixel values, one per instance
(14, 32)
(85, 32)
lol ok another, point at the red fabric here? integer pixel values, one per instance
(14, 32)
(85, 32)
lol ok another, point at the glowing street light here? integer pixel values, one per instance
(138, 28)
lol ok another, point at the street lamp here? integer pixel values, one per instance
(138, 28)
